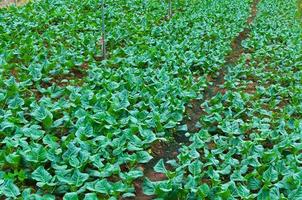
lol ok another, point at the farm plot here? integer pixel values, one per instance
(76, 126)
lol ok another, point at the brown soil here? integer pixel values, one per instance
(14, 72)
(77, 74)
(160, 150)
(194, 111)
(251, 88)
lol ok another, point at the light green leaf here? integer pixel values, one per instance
(274, 193)
(16, 102)
(148, 187)
(296, 194)
(41, 113)
(41, 175)
(143, 157)
(270, 175)
(102, 186)
(195, 167)
(9, 189)
(78, 178)
(263, 194)
(91, 196)
(71, 196)
(33, 132)
(135, 174)
(160, 167)
(243, 191)
(254, 184)
(13, 158)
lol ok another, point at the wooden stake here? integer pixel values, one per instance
(170, 9)
(103, 39)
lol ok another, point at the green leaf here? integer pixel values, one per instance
(120, 101)
(35, 71)
(43, 115)
(91, 196)
(102, 187)
(274, 193)
(148, 135)
(143, 157)
(42, 176)
(9, 189)
(296, 194)
(71, 151)
(71, 196)
(135, 174)
(191, 184)
(160, 167)
(13, 159)
(33, 132)
(254, 184)
(243, 191)
(195, 167)
(263, 194)
(128, 195)
(86, 131)
(183, 128)
(26, 193)
(270, 175)
(36, 154)
(16, 102)
(204, 190)
(119, 186)
(78, 178)
(148, 187)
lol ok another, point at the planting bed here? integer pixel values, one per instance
(202, 104)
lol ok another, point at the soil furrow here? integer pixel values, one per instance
(195, 111)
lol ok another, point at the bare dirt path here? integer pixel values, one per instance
(195, 111)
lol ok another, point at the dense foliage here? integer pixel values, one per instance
(255, 150)
(77, 127)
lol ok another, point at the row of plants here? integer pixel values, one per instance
(87, 137)
(250, 143)
(51, 37)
